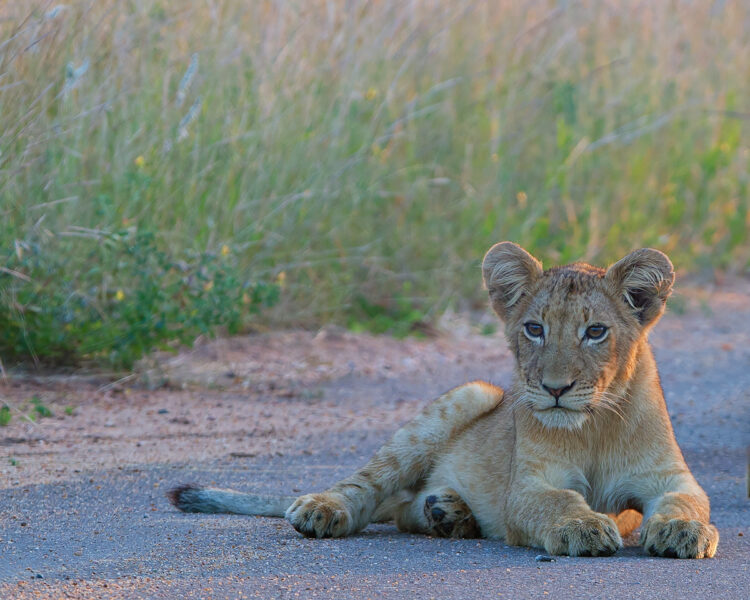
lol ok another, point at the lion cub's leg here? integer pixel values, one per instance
(558, 520)
(676, 519)
(400, 464)
(407, 511)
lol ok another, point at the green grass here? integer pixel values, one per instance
(5, 415)
(41, 410)
(354, 160)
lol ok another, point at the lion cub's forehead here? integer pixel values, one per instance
(571, 293)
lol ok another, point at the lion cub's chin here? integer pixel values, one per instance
(561, 418)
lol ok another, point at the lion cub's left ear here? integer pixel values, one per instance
(644, 279)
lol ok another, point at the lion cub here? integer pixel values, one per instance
(567, 460)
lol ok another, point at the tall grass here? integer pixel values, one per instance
(363, 155)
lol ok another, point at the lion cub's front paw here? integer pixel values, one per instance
(679, 538)
(320, 515)
(591, 535)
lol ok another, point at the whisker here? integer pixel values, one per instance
(608, 405)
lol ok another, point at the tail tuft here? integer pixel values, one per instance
(197, 499)
(187, 498)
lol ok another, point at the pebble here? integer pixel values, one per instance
(544, 558)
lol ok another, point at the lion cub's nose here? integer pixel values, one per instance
(556, 390)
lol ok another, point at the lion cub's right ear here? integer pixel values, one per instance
(508, 270)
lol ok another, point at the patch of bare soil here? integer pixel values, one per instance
(254, 395)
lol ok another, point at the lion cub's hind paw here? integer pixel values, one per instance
(449, 516)
(594, 535)
(320, 515)
(679, 538)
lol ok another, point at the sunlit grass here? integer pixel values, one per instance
(371, 150)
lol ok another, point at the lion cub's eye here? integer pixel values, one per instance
(534, 329)
(596, 332)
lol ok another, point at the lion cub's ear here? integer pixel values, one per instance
(508, 270)
(644, 279)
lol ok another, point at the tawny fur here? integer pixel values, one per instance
(577, 454)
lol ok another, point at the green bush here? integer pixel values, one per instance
(111, 297)
(5, 415)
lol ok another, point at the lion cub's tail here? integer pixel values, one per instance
(192, 498)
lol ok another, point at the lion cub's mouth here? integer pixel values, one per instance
(561, 417)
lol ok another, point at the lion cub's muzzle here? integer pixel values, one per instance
(556, 390)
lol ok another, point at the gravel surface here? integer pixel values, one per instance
(83, 512)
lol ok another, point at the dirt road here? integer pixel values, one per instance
(83, 512)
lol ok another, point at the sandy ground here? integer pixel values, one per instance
(82, 504)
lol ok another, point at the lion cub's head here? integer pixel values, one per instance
(575, 329)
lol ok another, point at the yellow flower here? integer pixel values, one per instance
(224, 250)
(119, 296)
(521, 197)
(139, 161)
(208, 286)
(371, 94)
(281, 279)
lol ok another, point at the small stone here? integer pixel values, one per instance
(544, 558)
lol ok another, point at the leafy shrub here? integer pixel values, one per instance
(5, 415)
(111, 297)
